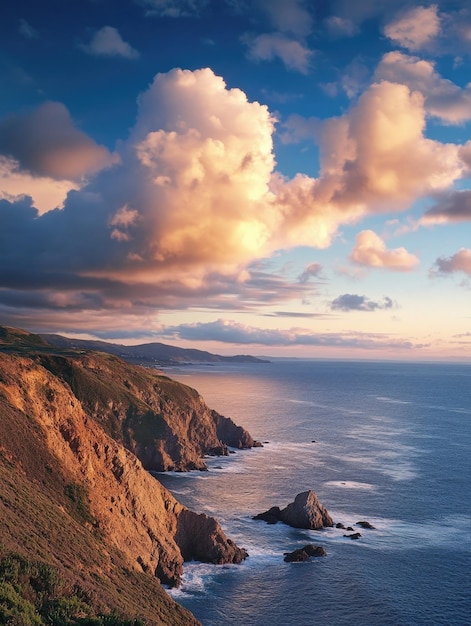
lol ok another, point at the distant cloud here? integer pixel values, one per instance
(294, 54)
(288, 16)
(442, 98)
(453, 207)
(353, 302)
(341, 26)
(173, 8)
(27, 30)
(46, 143)
(108, 42)
(414, 28)
(370, 251)
(313, 270)
(233, 332)
(459, 262)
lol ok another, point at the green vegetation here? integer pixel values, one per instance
(33, 593)
(79, 503)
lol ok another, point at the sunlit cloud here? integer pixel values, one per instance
(353, 302)
(442, 98)
(370, 251)
(452, 207)
(108, 42)
(226, 331)
(414, 28)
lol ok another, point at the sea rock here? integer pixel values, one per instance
(353, 536)
(303, 554)
(305, 512)
(364, 524)
(340, 525)
(272, 516)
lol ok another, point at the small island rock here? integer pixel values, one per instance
(365, 525)
(305, 512)
(303, 554)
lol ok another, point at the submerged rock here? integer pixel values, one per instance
(353, 536)
(366, 525)
(303, 554)
(305, 512)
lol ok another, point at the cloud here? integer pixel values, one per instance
(46, 143)
(353, 302)
(459, 262)
(415, 28)
(453, 207)
(377, 155)
(341, 27)
(46, 192)
(313, 270)
(173, 8)
(149, 232)
(288, 16)
(442, 98)
(232, 332)
(370, 251)
(27, 30)
(107, 42)
(294, 54)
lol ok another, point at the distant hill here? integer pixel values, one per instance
(156, 353)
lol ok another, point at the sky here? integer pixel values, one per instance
(272, 177)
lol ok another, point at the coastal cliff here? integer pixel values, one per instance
(78, 433)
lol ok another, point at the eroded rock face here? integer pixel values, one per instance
(166, 424)
(305, 512)
(130, 508)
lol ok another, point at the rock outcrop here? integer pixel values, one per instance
(305, 512)
(304, 554)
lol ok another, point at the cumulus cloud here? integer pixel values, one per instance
(195, 198)
(108, 42)
(232, 332)
(354, 302)
(459, 262)
(415, 28)
(294, 54)
(46, 143)
(442, 98)
(370, 251)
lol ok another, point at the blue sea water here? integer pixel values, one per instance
(385, 442)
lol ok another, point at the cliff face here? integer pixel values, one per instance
(73, 488)
(165, 424)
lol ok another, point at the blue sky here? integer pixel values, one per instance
(284, 177)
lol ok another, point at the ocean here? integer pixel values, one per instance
(384, 442)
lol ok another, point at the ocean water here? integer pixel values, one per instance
(385, 442)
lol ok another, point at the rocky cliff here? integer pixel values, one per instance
(77, 434)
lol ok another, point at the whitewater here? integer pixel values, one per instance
(384, 442)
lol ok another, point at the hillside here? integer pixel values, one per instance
(150, 353)
(77, 433)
